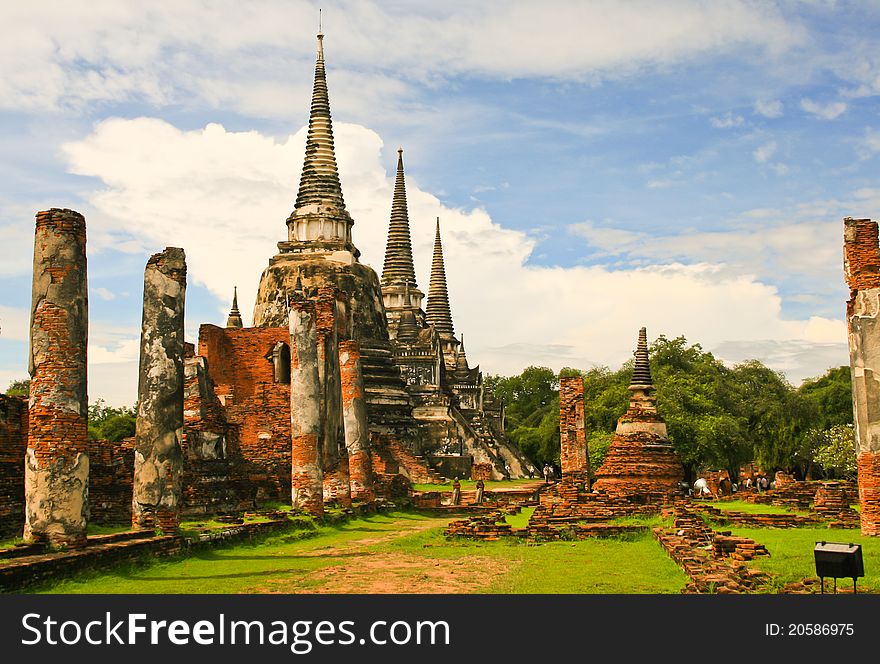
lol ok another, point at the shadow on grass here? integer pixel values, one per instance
(206, 577)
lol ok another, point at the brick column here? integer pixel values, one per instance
(572, 435)
(158, 457)
(354, 413)
(861, 263)
(56, 479)
(334, 457)
(307, 491)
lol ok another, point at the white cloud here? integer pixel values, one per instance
(769, 108)
(828, 111)
(14, 323)
(870, 144)
(104, 293)
(226, 54)
(764, 152)
(727, 121)
(223, 196)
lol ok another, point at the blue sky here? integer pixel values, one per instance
(597, 166)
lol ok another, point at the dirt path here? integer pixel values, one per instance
(360, 566)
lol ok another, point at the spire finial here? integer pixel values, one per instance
(320, 24)
(398, 265)
(234, 318)
(641, 377)
(319, 183)
(437, 311)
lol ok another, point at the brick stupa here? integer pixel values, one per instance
(641, 464)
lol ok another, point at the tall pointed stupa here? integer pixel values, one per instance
(319, 252)
(641, 464)
(438, 311)
(400, 293)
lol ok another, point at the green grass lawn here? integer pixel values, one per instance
(468, 485)
(520, 520)
(295, 562)
(791, 553)
(752, 508)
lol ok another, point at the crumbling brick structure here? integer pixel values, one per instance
(861, 263)
(57, 457)
(332, 327)
(641, 463)
(158, 458)
(248, 369)
(572, 433)
(354, 413)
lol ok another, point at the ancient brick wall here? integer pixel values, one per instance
(257, 409)
(573, 440)
(13, 443)
(111, 473)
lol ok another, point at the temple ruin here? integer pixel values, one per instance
(641, 462)
(861, 264)
(573, 455)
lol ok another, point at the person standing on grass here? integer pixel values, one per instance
(546, 473)
(456, 492)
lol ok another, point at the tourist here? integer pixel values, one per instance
(748, 483)
(456, 492)
(531, 472)
(547, 472)
(765, 483)
(480, 486)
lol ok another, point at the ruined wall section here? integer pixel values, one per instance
(573, 440)
(240, 363)
(111, 478)
(861, 261)
(13, 443)
(211, 483)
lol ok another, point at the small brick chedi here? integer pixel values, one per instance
(861, 263)
(640, 463)
(56, 477)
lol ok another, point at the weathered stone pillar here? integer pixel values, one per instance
(56, 479)
(861, 264)
(572, 434)
(354, 413)
(158, 457)
(307, 492)
(334, 458)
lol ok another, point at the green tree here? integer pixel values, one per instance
(19, 388)
(829, 398)
(108, 423)
(836, 452)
